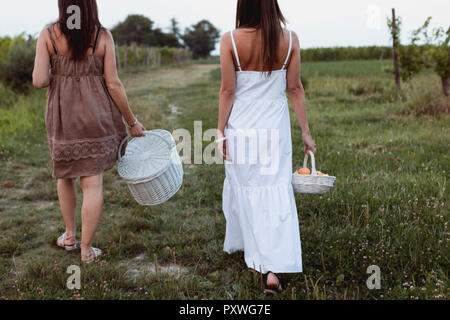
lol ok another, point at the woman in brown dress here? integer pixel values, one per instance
(86, 103)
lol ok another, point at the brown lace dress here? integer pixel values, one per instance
(84, 125)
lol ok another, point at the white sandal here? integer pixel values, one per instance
(92, 256)
(61, 242)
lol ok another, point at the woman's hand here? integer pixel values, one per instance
(138, 130)
(309, 143)
(222, 146)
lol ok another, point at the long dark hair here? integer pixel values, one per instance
(79, 40)
(266, 16)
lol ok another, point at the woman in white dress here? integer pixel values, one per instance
(260, 63)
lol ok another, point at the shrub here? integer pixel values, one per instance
(24, 116)
(411, 61)
(17, 67)
(7, 97)
(166, 55)
(5, 45)
(425, 100)
(138, 56)
(366, 88)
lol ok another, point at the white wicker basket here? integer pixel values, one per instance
(151, 167)
(312, 184)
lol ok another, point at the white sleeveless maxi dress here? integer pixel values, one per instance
(258, 197)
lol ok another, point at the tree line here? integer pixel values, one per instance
(200, 38)
(346, 53)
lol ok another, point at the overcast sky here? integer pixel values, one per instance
(318, 23)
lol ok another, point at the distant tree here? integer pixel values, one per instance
(201, 38)
(140, 30)
(433, 50)
(437, 52)
(412, 56)
(136, 28)
(174, 31)
(174, 28)
(394, 27)
(160, 39)
(441, 57)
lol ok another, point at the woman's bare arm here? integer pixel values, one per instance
(41, 71)
(227, 91)
(116, 88)
(296, 94)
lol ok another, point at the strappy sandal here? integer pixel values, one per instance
(273, 290)
(61, 242)
(92, 256)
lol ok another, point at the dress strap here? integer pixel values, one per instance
(235, 51)
(52, 40)
(96, 39)
(289, 52)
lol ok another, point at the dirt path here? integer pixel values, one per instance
(166, 78)
(148, 92)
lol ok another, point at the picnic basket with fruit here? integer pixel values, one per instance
(311, 181)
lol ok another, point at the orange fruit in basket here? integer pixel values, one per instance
(320, 173)
(304, 171)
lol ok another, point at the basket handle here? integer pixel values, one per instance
(313, 162)
(125, 140)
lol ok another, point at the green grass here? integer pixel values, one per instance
(211, 60)
(389, 207)
(346, 69)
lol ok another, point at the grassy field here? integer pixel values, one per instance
(389, 207)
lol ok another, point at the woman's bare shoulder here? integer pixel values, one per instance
(106, 32)
(106, 36)
(295, 38)
(226, 37)
(44, 34)
(44, 37)
(225, 41)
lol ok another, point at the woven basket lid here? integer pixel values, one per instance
(147, 157)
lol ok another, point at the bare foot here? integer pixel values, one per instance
(273, 284)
